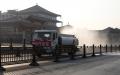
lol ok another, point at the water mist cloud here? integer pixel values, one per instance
(85, 36)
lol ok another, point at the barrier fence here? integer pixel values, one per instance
(25, 54)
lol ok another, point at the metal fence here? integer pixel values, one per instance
(25, 54)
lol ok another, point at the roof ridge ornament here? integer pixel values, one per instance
(68, 23)
(37, 4)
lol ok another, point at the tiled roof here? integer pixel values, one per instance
(37, 8)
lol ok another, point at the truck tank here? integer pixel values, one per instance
(67, 40)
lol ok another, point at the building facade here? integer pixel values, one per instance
(19, 25)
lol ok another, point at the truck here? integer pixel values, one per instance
(52, 42)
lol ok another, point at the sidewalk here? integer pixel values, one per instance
(66, 67)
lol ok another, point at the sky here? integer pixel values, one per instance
(88, 14)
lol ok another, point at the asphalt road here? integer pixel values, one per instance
(108, 64)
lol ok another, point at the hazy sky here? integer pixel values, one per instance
(89, 14)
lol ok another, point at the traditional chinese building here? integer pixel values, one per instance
(18, 25)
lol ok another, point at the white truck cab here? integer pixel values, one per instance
(47, 41)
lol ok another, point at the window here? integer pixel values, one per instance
(46, 35)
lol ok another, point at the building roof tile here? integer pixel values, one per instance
(38, 8)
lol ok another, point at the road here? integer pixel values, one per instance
(108, 64)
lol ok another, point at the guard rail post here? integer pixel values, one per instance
(93, 53)
(72, 53)
(84, 51)
(106, 48)
(115, 48)
(119, 47)
(111, 48)
(1, 67)
(24, 42)
(34, 61)
(17, 51)
(100, 49)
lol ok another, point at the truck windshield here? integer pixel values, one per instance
(42, 35)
